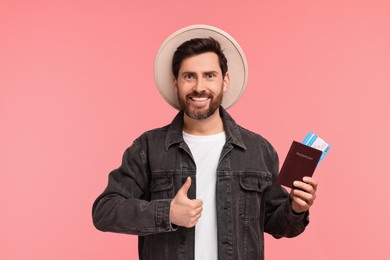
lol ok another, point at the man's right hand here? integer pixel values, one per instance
(185, 212)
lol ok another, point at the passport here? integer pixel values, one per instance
(301, 160)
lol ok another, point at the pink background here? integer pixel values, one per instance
(76, 88)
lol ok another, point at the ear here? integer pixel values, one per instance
(226, 82)
(175, 84)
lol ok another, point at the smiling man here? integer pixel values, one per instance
(200, 83)
(201, 187)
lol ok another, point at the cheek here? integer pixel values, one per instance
(179, 92)
(183, 88)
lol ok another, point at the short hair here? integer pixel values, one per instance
(198, 46)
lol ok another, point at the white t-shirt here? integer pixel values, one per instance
(206, 151)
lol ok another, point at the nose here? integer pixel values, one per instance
(199, 85)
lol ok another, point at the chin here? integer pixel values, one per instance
(199, 115)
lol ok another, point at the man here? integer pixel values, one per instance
(201, 187)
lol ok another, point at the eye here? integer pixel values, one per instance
(211, 75)
(188, 76)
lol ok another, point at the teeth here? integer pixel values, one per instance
(199, 99)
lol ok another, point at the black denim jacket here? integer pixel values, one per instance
(249, 202)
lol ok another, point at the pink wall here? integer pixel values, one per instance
(76, 87)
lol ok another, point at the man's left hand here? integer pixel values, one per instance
(303, 194)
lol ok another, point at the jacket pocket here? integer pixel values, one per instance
(161, 186)
(252, 187)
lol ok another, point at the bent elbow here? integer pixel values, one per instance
(98, 218)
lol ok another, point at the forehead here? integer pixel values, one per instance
(201, 62)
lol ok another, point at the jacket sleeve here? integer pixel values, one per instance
(124, 206)
(280, 220)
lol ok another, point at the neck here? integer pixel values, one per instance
(209, 126)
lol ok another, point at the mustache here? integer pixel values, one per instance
(197, 94)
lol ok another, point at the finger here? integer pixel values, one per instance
(193, 221)
(186, 186)
(311, 181)
(197, 203)
(308, 197)
(197, 212)
(303, 205)
(304, 186)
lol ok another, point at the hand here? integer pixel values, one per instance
(303, 194)
(185, 212)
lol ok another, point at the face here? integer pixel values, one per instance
(200, 85)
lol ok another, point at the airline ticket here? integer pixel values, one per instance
(318, 143)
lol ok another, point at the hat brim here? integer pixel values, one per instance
(237, 64)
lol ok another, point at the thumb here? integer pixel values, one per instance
(186, 186)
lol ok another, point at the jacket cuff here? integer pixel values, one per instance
(296, 217)
(163, 223)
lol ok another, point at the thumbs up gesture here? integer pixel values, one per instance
(184, 211)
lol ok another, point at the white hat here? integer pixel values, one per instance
(237, 65)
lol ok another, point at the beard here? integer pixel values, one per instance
(198, 112)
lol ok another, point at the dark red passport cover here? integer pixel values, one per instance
(301, 160)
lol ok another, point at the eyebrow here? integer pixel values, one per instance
(205, 72)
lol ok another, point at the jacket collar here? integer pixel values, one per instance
(232, 131)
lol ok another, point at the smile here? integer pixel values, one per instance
(199, 99)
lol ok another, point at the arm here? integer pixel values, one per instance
(280, 218)
(124, 206)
